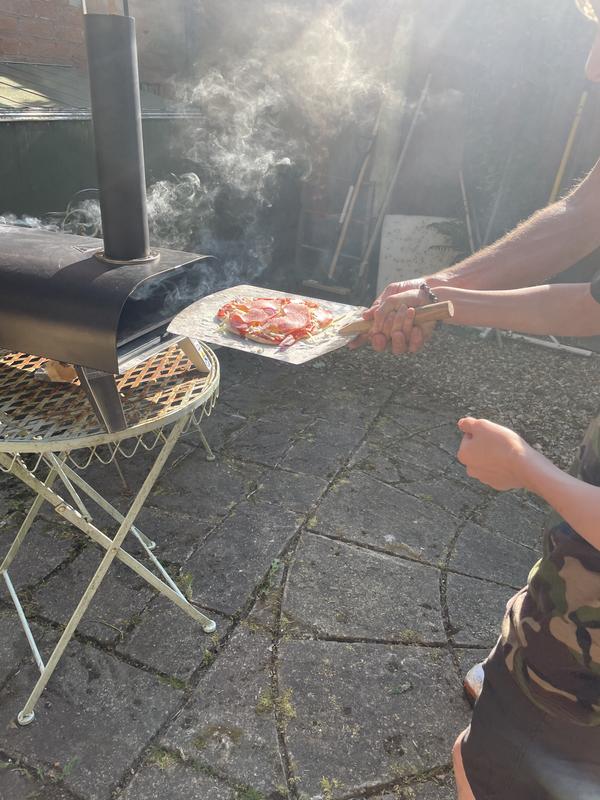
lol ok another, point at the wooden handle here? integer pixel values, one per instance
(423, 314)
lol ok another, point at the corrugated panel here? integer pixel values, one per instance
(47, 91)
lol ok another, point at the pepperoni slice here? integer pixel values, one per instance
(322, 316)
(274, 320)
(257, 316)
(271, 304)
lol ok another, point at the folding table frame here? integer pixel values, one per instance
(51, 429)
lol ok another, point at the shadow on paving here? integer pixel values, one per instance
(354, 573)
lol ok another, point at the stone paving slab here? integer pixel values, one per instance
(445, 436)
(325, 397)
(15, 648)
(17, 784)
(366, 714)
(418, 412)
(388, 465)
(268, 438)
(293, 491)
(362, 509)
(189, 483)
(427, 790)
(489, 555)
(262, 390)
(122, 596)
(205, 489)
(232, 563)
(468, 657)
(452, 496)
(175, 782)
(93, 720)
(396, 455)
(219, 427)
(105, 478)
(516, 519)
(229, 724)
(169, 641)
(339, 590)
(176, 533)
(46, 546)
(325, 448)
(475, 609)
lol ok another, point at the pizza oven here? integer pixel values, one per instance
(101, 305)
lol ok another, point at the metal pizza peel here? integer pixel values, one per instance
(199, 321)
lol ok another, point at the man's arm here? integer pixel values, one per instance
(548, 243)
(564, 309)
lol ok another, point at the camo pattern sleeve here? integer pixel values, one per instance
(551, 631)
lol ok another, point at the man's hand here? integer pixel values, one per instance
(495, 455)
(392, 315)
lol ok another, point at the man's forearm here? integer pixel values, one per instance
(551, 241)
(565, 309)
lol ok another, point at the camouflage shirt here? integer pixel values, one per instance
(551, 632)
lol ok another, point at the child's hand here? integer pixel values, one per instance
(495, 455)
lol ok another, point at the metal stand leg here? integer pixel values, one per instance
(210, 456)
(113, 550)
(101, 389)
(196, 355)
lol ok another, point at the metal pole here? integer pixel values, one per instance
(117, 121)
(392, 183)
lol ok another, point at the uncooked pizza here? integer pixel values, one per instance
(274, 320)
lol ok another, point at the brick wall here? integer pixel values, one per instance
(51, 32)
(42, 31)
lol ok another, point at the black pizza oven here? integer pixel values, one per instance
(99, 305)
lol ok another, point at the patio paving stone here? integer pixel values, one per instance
(175, 782)
(361, 509)
(93, 720)
(231, 564)
(340, 590)
(489, 555)
(121, 596)
(229, 723)
(367, 713)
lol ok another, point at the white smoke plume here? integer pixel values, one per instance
(277, 82)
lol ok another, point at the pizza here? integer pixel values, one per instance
(274, 320)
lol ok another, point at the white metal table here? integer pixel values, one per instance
(49, 433)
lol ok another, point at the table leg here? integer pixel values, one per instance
(29, 520)
(171, 591)
(113, 550)
(105, 505)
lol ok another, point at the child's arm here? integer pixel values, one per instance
(500, 458)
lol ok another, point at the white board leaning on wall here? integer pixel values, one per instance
(412, 246)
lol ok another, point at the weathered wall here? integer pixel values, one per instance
(51, 31)
(45, 31)
(50, 161)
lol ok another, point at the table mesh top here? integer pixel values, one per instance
(36, 411)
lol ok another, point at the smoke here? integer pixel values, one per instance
(27, 221)
(276, 84)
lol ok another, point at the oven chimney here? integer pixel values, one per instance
(117, 121)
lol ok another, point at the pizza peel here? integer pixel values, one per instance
(199, 321)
